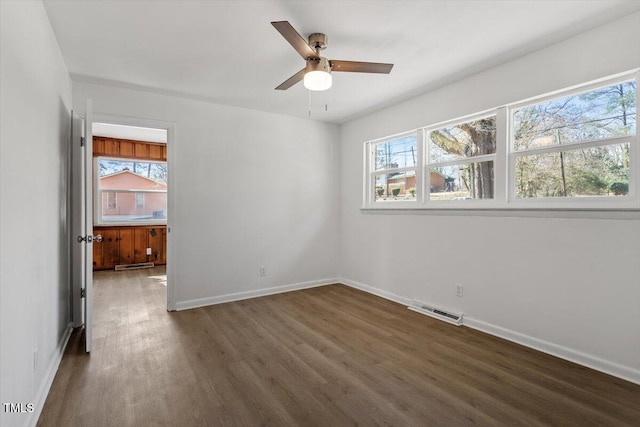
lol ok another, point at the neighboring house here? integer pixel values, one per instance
(131, 203)
(399, 181)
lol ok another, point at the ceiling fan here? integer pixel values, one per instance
(317, 73)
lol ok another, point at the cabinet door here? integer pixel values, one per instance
(155, 152)
(155, 243)
(126, 246)
(140, 240)
(141, 150)
(111, 148)
(163, 253)
(110, 248)
(126, 149)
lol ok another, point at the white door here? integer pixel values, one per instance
(82, 222)
(77, 220)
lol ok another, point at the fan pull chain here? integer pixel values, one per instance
(326, 102)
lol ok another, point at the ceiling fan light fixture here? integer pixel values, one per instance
(318, 74)
(317, 80)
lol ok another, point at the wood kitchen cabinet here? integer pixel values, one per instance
(129, 149)
(128, 245)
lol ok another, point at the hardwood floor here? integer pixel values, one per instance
(330, 356)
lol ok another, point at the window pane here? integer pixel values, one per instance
(462, 182)
(132, 191)
(396, 186)
(396, 153)
(597, 171)
(603, 113)
(470, 139)
(155, 171)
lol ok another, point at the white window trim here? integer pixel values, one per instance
(97, 199)
(504, 164)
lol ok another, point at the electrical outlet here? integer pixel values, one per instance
(148, 251)
(263, 270)
(459, 289)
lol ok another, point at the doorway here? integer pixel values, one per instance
(130, 206)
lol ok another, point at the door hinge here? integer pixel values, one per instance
(83, 293)
(82, 141)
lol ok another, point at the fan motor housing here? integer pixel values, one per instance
(318, 41)
(318, 64)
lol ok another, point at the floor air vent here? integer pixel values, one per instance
(134, 266)
(437, 313)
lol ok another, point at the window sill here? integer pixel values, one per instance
(129, 224)
(625, 213)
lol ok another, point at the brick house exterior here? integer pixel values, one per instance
(142, 204)
(438, 184)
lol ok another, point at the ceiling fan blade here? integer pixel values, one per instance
(292, 80)
(360, 67)
(295, 39)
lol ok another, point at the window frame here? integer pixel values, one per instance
(593, 202)
(97, 198)
(505, 158)
(370, 158)
(427, 165)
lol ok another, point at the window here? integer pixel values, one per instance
(139, 200)
(394, 169)
(130, 191)
(112, 200)
(576, 150)
(460, 160)
(575, 146)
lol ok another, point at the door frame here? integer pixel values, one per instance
(171, 185)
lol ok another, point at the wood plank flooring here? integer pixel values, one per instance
(329, 356)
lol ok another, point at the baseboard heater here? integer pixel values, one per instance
(438, 313)
(134, 266)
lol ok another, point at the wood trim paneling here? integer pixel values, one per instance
(130, 149)
(128, 245)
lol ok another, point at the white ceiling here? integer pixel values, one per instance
(227, 52)
(129, 132)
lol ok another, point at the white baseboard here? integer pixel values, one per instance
(238, 296)
(376, 291)
(50, 374)
(575, 356)
(625, 372)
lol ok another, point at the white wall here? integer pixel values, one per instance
(249, 189)
(35, 102)
(567, 286)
